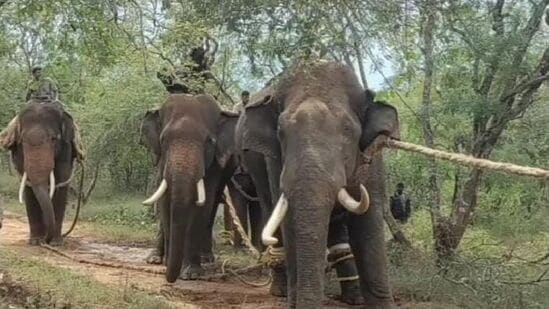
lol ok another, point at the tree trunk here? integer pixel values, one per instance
(428, 16)
(397, 233)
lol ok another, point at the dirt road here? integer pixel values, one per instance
(182, 294)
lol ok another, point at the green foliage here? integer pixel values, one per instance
(486, 273)
(105, 55)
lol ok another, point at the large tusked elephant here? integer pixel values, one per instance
(193, 141)
(43, 153)
(312, 128)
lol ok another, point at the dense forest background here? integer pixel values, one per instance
(466, 76)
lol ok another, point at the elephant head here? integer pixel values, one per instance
(183, 136)
(44, 136)
(321, 121)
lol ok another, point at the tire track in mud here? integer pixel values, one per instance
(182, 294)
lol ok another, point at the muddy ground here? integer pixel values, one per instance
(219, 293)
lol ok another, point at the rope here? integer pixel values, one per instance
(244, 280)
(351, 278)
(466, 160)
(79, 202)
(273, 256)
(331, 265)
(239, 228)
(241, 190)
(340, 259)
(66, 182)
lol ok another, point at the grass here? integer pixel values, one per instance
(50, 287)
(491, 270)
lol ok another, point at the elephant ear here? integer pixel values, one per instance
(150, 133)
(257, 128)
(67, 128)
(225, 144)
(380, 118)
(67, 132)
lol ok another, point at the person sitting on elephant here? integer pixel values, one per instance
(40, 87)
(245, 98)
(190, 77)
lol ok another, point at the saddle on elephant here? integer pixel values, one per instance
(9, 135)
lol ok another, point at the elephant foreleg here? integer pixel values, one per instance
(367, 241)
(343, 261)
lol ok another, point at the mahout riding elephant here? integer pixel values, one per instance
(193, 141)
(43, 152)
(306, 138)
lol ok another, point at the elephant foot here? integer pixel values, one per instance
(154, 258)
(207, 258)
(351, 294)
(192, 272)
(56, 241)
(279, 286)
(35, 241)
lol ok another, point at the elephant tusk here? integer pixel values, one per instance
(351, 204)
(274, 221)
(201, 192)
(52, 184)
(22, 187)
(158, 194)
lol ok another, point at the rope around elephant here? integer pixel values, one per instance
(466, 160)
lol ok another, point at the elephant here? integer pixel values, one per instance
(244, 198)
(43, 153)
(193, 142)
(305, 139)
(260, 163)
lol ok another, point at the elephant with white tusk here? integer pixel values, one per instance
(303, 138)
(43, 153)
(193, 142)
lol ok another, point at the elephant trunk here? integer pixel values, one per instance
(180, 216)
(38, 169)
(184, 177)
(309, 212)
(48, 216)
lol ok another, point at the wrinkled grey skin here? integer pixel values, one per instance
(310, 129)
(192, 139)
(44, 143)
